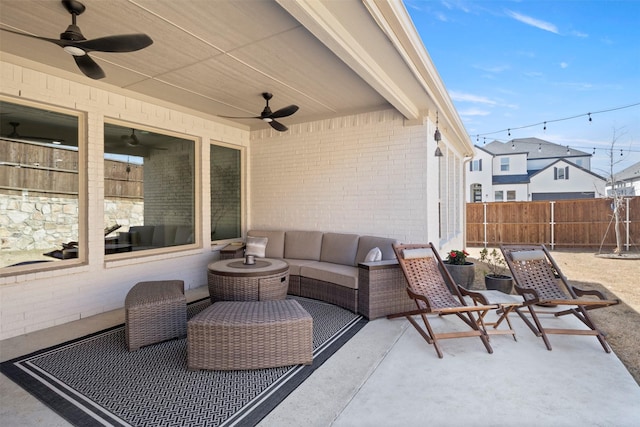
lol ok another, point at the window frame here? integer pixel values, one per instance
(197, 203)
(243, 199)
(82, 197)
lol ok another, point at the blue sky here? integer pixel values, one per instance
(511, 64)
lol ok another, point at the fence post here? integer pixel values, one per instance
(552, 205)
(484, 223)
(628, 225)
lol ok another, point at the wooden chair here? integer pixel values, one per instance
(537, 278)
(425, 273)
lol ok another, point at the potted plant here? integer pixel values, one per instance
(462, 271)
(496, 278)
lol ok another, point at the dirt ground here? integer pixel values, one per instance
(615, 278)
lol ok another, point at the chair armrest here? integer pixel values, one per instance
(530, 296)
(582, 292)
(415, 296)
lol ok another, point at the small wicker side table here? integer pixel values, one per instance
(233, 335)
(155, 311)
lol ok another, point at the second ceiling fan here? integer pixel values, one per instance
(269, 116)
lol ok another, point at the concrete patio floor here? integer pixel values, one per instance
(388, 375)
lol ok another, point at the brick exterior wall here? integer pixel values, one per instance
(368, 173)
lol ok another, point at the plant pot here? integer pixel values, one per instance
(499, 283)
(463, 274)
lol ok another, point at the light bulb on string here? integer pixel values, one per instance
(589, 117)
(594, 151)
(621, 152)
(545, 127)
(513, 145)
(568, 151)
(539, 148)
(509, 132)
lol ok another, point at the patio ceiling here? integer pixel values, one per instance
(216, 57)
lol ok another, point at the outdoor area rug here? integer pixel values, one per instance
(95, 380)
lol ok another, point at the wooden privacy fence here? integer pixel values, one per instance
(580, 223)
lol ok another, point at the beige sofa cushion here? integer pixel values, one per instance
(275, 242)
(295, 265)
(366, 243)
(339, 248)
(343, 275)
(303, 244)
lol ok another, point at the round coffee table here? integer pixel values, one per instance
(233, 280)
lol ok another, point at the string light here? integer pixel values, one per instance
(594, 151)
(539, 148)
(568, 151)
(508, 130)
(545, 127)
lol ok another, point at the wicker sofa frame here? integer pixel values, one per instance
(377, 288)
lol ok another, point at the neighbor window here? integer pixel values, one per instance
(476, 193)
(499, 196)
(226, 193)
(504, 164)
(149, 189)
(561, 173)
(511, 195)
(39, 185)
(475, 165)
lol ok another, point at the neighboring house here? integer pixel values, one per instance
(358, 156)
(627, 181)
(530, 169)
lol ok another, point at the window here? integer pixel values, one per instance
(561, 173)
(149, 189)
(504, 164)
(499, 196)
(511, 195)
(226, 193)
(475, 165)
(476, 193)
(40, 173)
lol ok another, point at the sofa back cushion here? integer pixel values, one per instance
(366, 243)
(141, 235)
(275, 242)
(164, 235)
(303, 244)
(339, 248)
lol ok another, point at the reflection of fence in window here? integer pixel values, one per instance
(225, 193)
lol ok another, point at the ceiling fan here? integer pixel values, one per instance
(74, 43)
(268, 116)
(15, 136)
(133, 141)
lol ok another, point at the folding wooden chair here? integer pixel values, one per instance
(425, 273)
(537, 278)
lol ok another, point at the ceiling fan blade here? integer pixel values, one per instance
(89, 67)
(278, 126)
(119, 43)
(61, 43)
(284, 112)
(243, 117)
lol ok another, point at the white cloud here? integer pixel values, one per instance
(474, 112)
(468, 97)
(493, 69)
(564, 64)
(579, 34)
(546, 26)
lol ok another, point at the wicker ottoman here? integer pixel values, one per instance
(155, 311)
(233, 335)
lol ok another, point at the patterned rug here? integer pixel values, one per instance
(95, 380)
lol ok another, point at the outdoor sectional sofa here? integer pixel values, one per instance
(331, 267)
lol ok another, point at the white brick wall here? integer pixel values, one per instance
(367, 173)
